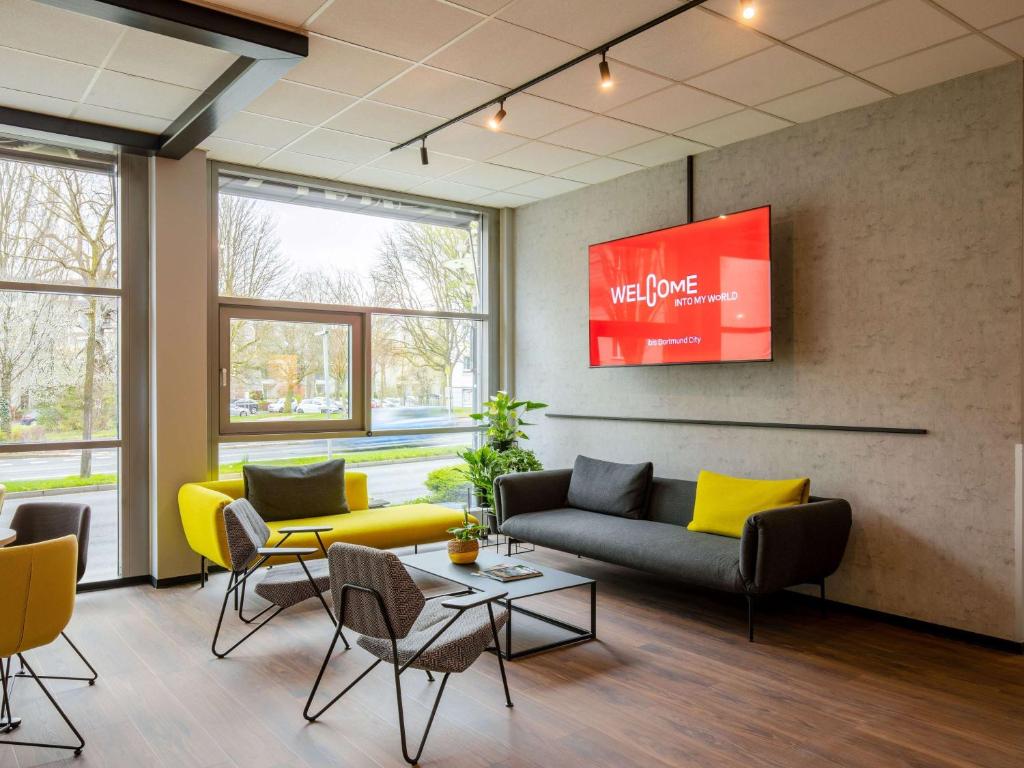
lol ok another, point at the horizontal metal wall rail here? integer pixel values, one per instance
(747, 424)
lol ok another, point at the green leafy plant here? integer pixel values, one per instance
(483, 464)
(468, 531)
(516, 459)
(503, 415)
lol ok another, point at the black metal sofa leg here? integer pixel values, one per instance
(750, 618)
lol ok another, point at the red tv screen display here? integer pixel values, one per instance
(697, 293)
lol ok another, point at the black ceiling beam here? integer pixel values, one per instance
(265, 53)
(598, 51)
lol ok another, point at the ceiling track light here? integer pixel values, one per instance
(424, 158)
(606, 72)
(495, 122)
(748, 9)
(606, 82)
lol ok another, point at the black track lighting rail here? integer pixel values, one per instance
(600, 50)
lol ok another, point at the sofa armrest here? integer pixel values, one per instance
(202, 517)
(802, 544)
(522, 492)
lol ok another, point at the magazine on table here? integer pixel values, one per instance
(509, 572)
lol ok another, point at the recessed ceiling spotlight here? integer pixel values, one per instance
(747, 9)
(424, 158)
(495, 122)
(606, 73)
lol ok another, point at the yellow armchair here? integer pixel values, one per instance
(202, 516)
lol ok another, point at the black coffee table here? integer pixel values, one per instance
(535, 632)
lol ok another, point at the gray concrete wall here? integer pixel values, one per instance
(897, 250)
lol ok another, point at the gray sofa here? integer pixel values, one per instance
(779, 548)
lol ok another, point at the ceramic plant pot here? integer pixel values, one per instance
(463, 552)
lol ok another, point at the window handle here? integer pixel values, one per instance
(223, 377)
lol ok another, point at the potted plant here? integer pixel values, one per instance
(464, 548)
(503, 415)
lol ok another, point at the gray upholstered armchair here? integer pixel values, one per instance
(375, 596)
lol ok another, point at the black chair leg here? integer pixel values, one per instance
(401, 716)
(4, 674)
(220, 622)
(823, 602)
(7, 721)
(320, 676)
(91, 679)
(202, 571)
(750, 618)
(497, 652)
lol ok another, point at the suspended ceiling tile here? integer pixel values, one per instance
(33, 102)
(239, 152)
(382, 121)
(733, 128)
(408, 161)
(938, 64)
(33, 73)
(675, 108)
(782, 19)
(340, 146)
(307, 165)
(435, 92)
(407, 28)
(587, 23)
(449, 190)
(503, 53)
(547, 186)
(765, 75)
(984, 13)
(137, 94)
(291, 13)
(473, 142)
(91, 113)
(579, 86)
(262, 130)
(491, 176)
(825, 99)
(159, 57)
(661, 151)
(601, 135)
(542, 158)
(345, 68)
(505, 200)
(601, 169)
(531, 116)
(302, 103)
(689, 44)
(378, 178)
(1010, 34)
(31, 26)
(880, 33)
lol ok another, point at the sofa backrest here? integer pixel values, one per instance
(671, 501)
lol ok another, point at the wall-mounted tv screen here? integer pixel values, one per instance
(697, 293)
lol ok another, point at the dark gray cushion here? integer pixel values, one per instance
(668, 550)
(671, 501)
(289, 493)
(610, 488)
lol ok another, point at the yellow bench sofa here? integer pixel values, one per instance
(202, 515)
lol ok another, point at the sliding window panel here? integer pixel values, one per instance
(58, 367)
(285, 371)
(425, 371)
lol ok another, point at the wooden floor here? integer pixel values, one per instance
(671, 681)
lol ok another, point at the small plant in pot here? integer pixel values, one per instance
(464, 548)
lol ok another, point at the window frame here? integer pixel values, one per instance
(488, 351)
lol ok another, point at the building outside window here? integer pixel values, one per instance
(348, 324)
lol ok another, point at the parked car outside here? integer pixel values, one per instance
(310, 405)
(238, 410)
(278, 405)
(250, 405)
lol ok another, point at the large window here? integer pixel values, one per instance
(60, 339)
(353, 318)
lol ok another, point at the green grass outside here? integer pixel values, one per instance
(357, 457)
(51, 483)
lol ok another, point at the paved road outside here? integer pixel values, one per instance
(396, 483)
(66, 463)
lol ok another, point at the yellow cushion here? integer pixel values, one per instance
(724, 503)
